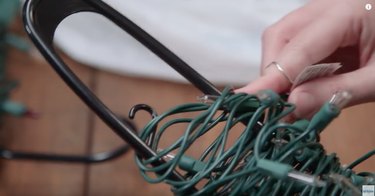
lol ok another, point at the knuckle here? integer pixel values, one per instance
(302, 54)
(271, 31)
(274, 31)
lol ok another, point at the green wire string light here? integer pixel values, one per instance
(269, 157)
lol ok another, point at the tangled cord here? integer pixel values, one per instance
(269, 157)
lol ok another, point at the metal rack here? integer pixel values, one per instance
(42, 17)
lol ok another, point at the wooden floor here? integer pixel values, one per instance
(68, 127)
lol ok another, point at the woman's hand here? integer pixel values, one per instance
(321, 31)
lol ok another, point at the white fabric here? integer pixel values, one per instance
(221, 39)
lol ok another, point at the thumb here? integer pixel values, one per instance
(310, 96)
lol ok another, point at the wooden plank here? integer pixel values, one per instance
(62, 128)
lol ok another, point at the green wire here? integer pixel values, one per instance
(224, 168)
(361, 159)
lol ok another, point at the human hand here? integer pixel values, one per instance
(321, 31)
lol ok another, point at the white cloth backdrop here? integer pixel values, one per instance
(219, 38)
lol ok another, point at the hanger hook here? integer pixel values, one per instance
(144, 107)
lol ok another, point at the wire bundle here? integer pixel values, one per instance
(269, 157)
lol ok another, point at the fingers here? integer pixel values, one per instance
(278, 35)
(312, 44)
(274, 40)
(319, 33)
(309, 97)
(269, 81)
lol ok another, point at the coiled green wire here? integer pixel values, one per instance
(258, 162)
